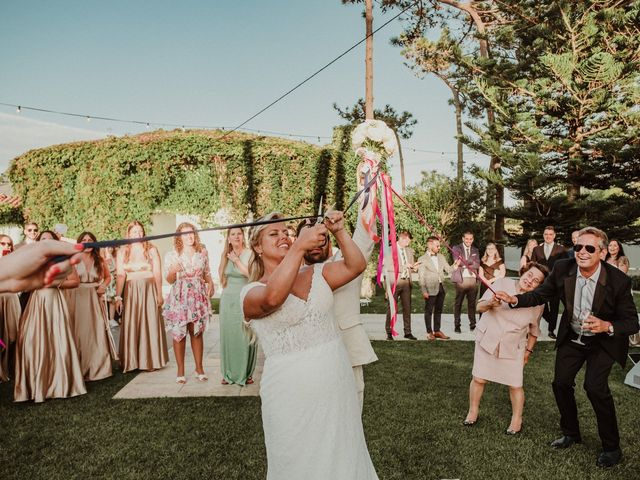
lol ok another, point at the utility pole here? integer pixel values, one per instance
(368, 61)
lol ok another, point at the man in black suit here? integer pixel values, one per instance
(547, 254)
(587, 284)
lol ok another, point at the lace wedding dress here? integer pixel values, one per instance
(310, 408)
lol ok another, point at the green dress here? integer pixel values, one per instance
(237, 357)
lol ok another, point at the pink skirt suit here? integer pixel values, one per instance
(501, 338)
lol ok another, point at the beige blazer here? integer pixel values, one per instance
(430, 278)
(388, 263)
(346, 306)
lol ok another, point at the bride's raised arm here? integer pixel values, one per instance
(352, 264)
(279, 270)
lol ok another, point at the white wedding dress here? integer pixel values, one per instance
(310, 408)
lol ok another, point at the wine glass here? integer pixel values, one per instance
(584, 315)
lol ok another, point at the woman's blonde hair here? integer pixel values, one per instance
(256, 265)
(497, 257)
(227, 250)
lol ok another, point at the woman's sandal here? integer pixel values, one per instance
(249, 381)
(181, 380)
(224, 382)
(201, 377)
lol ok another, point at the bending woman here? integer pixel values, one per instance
(505, 338)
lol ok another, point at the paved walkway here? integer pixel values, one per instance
(161, 383)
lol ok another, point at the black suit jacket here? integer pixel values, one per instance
(557, 252)
(612, 301)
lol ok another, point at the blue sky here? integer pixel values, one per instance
(206, 63)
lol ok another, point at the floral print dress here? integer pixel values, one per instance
(187, 301)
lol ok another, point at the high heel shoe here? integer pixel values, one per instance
(470, 423)
(201, 377)
(514, 432)
(181, 380)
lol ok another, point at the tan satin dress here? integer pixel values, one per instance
(91, 327)
(47, 362)
(143, 343)
(9, 318)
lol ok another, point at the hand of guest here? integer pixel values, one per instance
(425, 295)
(160, 301)
(505, 297)
(175, 268)
(334, 221)
(527, 354)
(210, 290)
(101, 290)
(233, 257)
(30, 267)
(119, 306)
(493, 303)
(596, 325)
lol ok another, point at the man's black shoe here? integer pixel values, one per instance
(609, 459)
(552, 335)
(472, 327)
(408, 336)
(457, 330)
(565, 441)
(389, 336)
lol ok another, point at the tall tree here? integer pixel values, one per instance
(564, 86)
(426, 56)
(401, 123)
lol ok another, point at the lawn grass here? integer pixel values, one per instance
(416, 398)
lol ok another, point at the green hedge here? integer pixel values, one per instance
(102, 185)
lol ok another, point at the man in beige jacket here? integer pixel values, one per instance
(433, 269)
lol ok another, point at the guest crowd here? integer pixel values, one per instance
(59, 338)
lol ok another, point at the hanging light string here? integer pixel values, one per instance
(20, 108)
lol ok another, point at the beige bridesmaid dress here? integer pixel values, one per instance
(47, 362)
(91, 327)
(143, 343)
(9, 318)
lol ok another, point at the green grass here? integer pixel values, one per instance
(416, 398)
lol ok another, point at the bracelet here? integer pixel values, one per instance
(529, 350)
(117, 298)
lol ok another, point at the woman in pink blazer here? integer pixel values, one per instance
(505, 338)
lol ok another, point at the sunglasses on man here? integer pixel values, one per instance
(589, 248)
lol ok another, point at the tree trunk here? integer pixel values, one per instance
(495, 193)
(458, 106)
(368, 61)
(402, 182)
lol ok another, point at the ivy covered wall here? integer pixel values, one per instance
(102, 185)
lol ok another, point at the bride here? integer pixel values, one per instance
(310, 408)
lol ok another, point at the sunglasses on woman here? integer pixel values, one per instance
(6, 244)
(588, 248)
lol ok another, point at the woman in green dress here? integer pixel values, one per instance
(237, 356)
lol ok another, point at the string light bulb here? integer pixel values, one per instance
(148, 126)
(19, 109)
(88, 119)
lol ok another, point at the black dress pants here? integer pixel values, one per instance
(550, 313)
(570, 358)
(433, 305)
(403, 292)
(469, 289)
